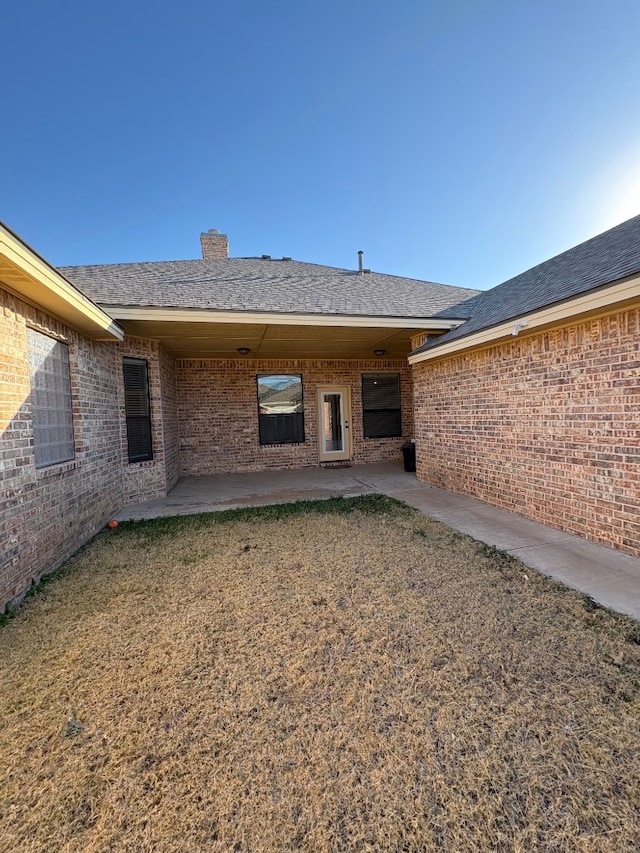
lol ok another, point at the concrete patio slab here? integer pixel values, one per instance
(609, 577)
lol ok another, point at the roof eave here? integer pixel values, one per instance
(601, 300)
(198, 315)
(33, 279)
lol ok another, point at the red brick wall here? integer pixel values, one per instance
(169, 401)
(218, 414)
(151, 479)
(46, 514)
(547, 425)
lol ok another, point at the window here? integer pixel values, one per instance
(51, 405)
(381, 412)
(137, 409)
(280, 409)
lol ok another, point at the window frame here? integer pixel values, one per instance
(264, 418)
(133, 421)
(368, 430)
(56, 379)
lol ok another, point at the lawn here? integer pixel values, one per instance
(347, 675)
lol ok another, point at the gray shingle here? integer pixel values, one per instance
(597, 262)
(254, 284)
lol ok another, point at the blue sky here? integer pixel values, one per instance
(460, 141)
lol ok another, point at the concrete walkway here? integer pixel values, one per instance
(609, 577)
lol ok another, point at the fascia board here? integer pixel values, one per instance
(195, 315)
(29, 276)
(597, 302)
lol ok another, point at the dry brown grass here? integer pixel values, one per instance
(318, 681)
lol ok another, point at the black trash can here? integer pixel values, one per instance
(409, 453)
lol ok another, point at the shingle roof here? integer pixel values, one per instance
(597, 262)
(274, 286)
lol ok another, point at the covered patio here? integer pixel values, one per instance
(231, 491)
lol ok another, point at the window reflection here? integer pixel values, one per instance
(280, 409)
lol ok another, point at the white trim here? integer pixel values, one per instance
(35, 280)
(595, 302)
(345, 423)
(196, 315)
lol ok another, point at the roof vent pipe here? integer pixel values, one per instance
(360, 261)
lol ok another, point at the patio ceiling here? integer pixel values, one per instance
(185, 339)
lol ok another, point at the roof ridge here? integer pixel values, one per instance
(321, 267)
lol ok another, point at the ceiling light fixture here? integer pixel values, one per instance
(379, 351)
(243, 350)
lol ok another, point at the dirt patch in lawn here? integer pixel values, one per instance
(348, 676)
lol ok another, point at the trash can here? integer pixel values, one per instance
(409, 453)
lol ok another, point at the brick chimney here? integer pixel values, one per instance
(214, 245)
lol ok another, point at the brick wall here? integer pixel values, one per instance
(46, 514)
(169, 402)
(218, 414)
(145, 480)
(547, 425)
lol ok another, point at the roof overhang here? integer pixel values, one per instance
(194, 333)
(602, 300)
(195, 315)
(34, 280)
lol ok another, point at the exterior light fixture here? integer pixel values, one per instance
(379, 351)
(243, 350)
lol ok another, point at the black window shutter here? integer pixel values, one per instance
(137, 409)
(281, 429)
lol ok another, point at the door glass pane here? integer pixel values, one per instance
(332, 422)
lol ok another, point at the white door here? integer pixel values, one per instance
(334, 422)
